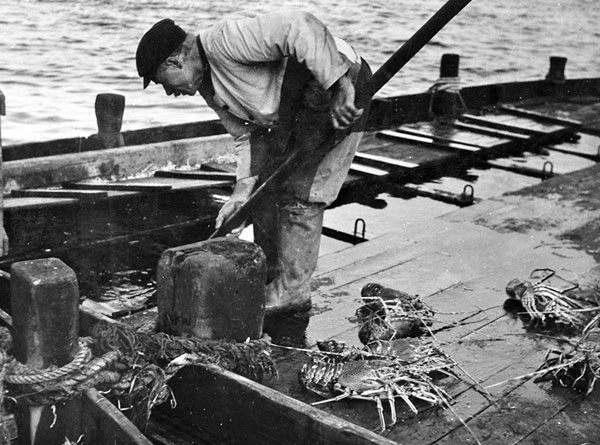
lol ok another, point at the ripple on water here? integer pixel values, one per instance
(69, 51)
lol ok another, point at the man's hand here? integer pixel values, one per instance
(241, 192)
(343, 111)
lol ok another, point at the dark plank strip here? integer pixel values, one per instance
(581, 415)
(83, 195)
(543, 173)
(459, 199)
(490, 131)
(450, 134)
(118, 186)
(528, 127)
(196, 174)
(540, 116)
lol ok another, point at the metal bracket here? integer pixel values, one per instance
(547, 173)
(467, 194)
(364, 227)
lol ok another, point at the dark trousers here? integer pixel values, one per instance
(288, 217)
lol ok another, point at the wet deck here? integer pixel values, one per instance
(459, 260)
(460, 263)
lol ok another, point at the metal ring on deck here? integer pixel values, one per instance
(32, 376)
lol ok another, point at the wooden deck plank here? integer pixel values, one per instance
(384, 161)
(420, 154)
(490, 131)
(574, 424)
(365, 170)
(462, 266)
(195, 174)
(81, 195)
(229, 398)
(118, 186)
(588, 145)
(449, 133)
(10, 203)
(516, 123)
(425, 140)
(534, 115)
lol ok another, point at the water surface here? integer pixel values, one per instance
(56, 56)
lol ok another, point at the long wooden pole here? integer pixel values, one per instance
(378, 80)
(413, 45)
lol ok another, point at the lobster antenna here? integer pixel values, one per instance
(485, 392)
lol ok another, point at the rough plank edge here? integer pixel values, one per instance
(445, 140)
(117, 186)
(540, 116)
(82, 195)
(246, 411)
(112, 420)
(396, 135)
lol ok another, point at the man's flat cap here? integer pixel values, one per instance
(156, 46)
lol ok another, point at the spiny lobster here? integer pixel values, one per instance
(364, 375)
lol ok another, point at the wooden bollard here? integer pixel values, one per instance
(213, 289)
(556, 79)
(109, 117)
(449, 65)
(446, 100)
(45, 310)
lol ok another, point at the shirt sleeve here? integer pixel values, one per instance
(240, 131)
(270, 37)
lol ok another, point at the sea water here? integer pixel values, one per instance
(56, 56)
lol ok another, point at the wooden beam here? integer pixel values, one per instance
(82, 195)
(520, 169)
(490, 131)
(196, 174)
(405, 137)
(540, 116)
(376, 160)
(105, 423)
(114, 163)
(493, 142)
(229, 406)
(365, 170)
(118, 186)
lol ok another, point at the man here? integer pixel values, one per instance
(280, 83)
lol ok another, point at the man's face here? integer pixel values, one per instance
(178, 79)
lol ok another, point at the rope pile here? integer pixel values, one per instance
(131, 368)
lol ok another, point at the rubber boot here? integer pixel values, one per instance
(299, 237)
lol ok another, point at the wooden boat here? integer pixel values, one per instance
(73, 195)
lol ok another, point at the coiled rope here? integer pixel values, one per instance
(23, 375)
(131, 368)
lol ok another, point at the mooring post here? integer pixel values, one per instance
(213, 289)
(556, 79)
(45, 310)
(446, 100)
(449, 65)
(3, 237)
(109, 117)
